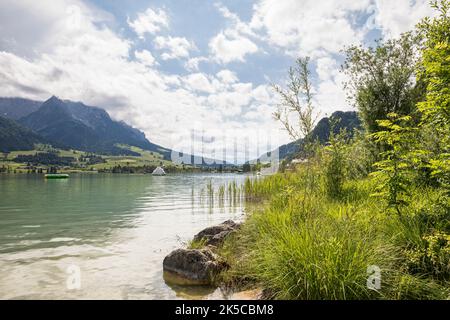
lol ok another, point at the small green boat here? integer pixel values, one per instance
(56, 176)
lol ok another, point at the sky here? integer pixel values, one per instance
(190, 69)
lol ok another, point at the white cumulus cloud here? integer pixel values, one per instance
(151, 21)
(232, 43)
(176, 47)
(309, 27)
(231, 47)
(396, 17)
(145, 57)
(227, 76)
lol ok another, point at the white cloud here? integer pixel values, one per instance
(308, 27)
(193, 63)
(227, 76)
(322, 29)
(177, 47)
(330, 95)
(91, 63)
(263, 94)
(231, 47)
(396, 17)
(235, 23)
(327, 68)
(226, 13)
(37, 33)
(151, 21)
(199, 82)
(145, 57)
(318, 28)
(233, 43)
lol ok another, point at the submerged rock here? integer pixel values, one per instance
(216, 235)
(255, 294)
(192, 267)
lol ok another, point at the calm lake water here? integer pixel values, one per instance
(116, 229)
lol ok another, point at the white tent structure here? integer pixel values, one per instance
(159, 172)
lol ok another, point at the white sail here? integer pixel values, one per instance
(159, 172)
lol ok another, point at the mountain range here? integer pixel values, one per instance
(348, 120)
(16, 108)
(15, 137)
(73, 125)
(67, 124)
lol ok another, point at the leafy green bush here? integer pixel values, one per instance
(432, 258)
(335, 170)
(435, 72)
(393, 171)
(361, 155)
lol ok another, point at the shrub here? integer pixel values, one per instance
(335, 163)
(433, 258)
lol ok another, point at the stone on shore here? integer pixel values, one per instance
(216, 235)
(192, 267)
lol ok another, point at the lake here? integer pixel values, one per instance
(114, 229)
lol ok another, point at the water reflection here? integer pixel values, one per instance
(116, 228)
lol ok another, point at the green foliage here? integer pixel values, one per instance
(13, 136)
(381, 79)
(419, 152)
(197, 244)
(432, 258)
(301, 244)
(335, 161)
(393, 170)
(297, 100)
(436, 74)
(360, 156)
(44, 158)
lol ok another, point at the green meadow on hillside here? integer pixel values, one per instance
(81, 159)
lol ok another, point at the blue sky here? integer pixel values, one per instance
(170, 67)
(198, 21)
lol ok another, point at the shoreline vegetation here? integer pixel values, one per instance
(367, 216)
(298, 242)
(303, 244)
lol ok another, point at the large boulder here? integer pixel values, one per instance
(192, 267)
(216, 235)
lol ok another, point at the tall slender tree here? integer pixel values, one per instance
(296, 110)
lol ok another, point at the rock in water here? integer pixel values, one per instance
(216, 235)
(192, 267)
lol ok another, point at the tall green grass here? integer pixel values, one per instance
(299, 243)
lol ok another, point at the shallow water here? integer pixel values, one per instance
(114, 229)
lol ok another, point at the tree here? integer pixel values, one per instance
(382, 79)
(435, 73)
(394, 170)
(297, 101)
